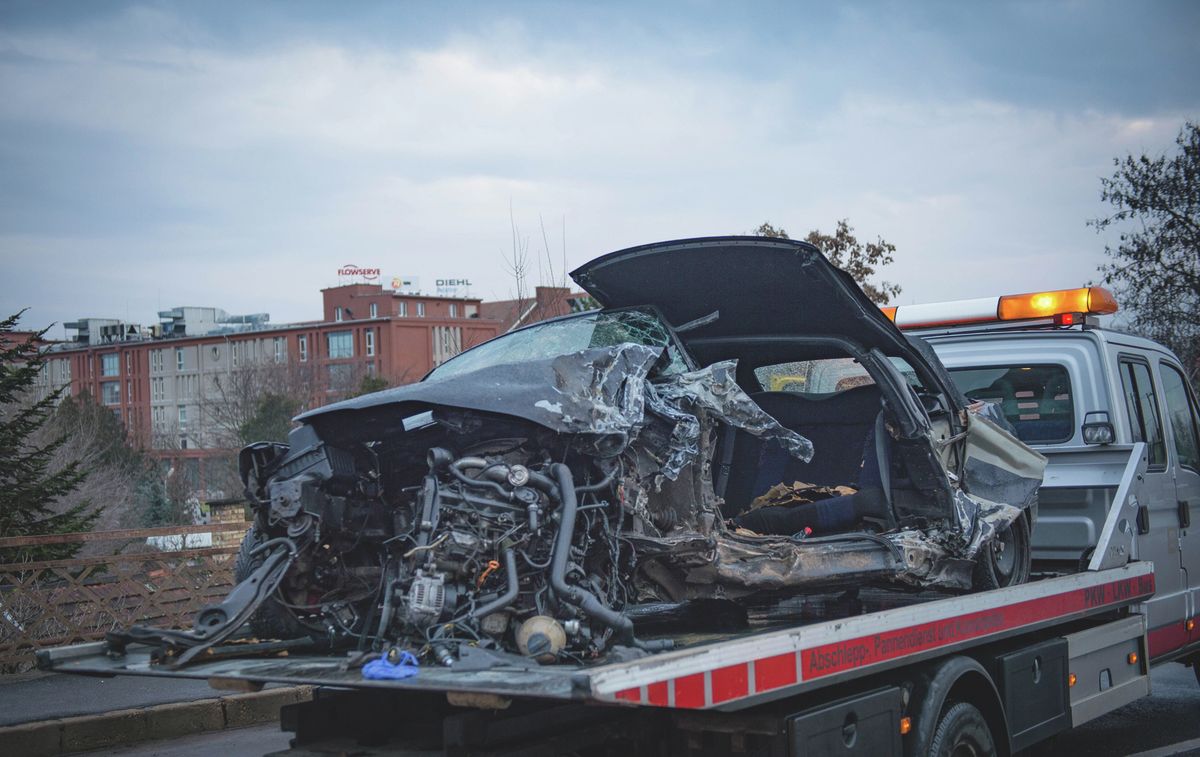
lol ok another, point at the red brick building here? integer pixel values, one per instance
(170, 391)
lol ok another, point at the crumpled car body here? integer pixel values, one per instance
(543, 493)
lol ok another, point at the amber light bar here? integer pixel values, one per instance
(1062, 305)
(1090, 300)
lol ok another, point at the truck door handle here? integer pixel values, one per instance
(1185, 514)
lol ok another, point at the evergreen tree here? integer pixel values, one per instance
(29, 488)
(157, 509)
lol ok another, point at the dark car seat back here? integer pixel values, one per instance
(837, 426)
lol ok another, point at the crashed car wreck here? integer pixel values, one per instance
(738, 425)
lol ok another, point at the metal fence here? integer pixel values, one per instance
(50, 603)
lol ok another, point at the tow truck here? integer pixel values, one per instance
(864, 671)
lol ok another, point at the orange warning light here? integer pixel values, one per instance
(1094, 300)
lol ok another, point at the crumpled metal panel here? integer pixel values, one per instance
(714, 390)
(980, 520)
(740, 564)
(596, 391)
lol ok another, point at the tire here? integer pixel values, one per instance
(962, 731)
(1007, 560)
(271, 620)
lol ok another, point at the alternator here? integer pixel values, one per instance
(426, 599)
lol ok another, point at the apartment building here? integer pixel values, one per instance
(173, 385)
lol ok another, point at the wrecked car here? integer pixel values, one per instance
(737, 425)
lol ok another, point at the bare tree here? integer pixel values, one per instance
(520, 263)
(233, 400)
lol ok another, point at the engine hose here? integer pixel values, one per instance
(574, 595)
(499, 474)
(479, 483)
(510, 593)
(599, 485)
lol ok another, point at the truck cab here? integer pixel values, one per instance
(1086, 397)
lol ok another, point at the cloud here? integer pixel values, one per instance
(154, 160)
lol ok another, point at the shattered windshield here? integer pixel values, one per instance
(567, 336)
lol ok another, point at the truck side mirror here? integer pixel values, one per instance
(1097, 428)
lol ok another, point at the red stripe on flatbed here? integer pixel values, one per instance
(656, 693)
(630, 695)
(773, 672)
(689, 691)
(731, 682)
(840, 656)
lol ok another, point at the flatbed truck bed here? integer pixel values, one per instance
(1032, 660)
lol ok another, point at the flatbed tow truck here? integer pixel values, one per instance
(865, 672)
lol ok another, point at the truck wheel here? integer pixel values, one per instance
(271, 620)
(962, 732)
(1006, 560)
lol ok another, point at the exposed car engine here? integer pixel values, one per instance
(500, 548)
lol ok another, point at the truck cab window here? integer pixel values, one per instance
(1141, 403)
(1035, 399)
(1181, 414)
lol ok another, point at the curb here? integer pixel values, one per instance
(163, 721)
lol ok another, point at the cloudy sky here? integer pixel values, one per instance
(236, 154)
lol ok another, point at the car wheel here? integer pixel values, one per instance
(962, 732)
(271, 620)
(1006, 560)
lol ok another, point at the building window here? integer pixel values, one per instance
(129, 391)
(278, 343)
(129, 362)
(447, 342)
(183, 415)
(183, 442)
(339, 344)
(337, 314)
(374, 310)
(110, 393)
(403, 311)
(453, 309)
(179, 358)
(156, 361)
(341, 376)
(420, 309)
(302, 340)
(370, 335)
(110, 365)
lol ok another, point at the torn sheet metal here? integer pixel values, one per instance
(715, 390)
(592, 391)
(980, 520)
(743, 564)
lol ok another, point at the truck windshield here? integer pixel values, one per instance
(1036, 399)
(562, 337)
